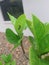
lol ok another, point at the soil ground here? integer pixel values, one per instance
(6, 47)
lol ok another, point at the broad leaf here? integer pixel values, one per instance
(12, 18)
(13, 38)
(20, 25)
(39, 28)
(7, 58)
(33, 42)
(44, 44)
(39, 31)
(30, 25)
(4, 58)
(34, 59)
(31, 39)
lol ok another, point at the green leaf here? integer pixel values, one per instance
(38, 31)
(30, 25)
(39, 28)
(4, 58)
(20, 25)
(1, 63)
(12, 18)
(31, 39)
(13, 38)
(34, 59)
(33, 42)
(44, 44)
(47, 27)
(7, 58)
(7, 63)
(13, 62)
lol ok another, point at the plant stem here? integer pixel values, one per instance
(24, 51)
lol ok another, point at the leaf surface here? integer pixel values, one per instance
(20, 25)
(7, 58)
(4, 58)
(13, 38)
(30, 25)
(13, 62)
(44, 44)
(34, 59)
(39, 28)
(12, 18)
(47, 28)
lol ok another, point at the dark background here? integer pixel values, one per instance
(14, 7)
